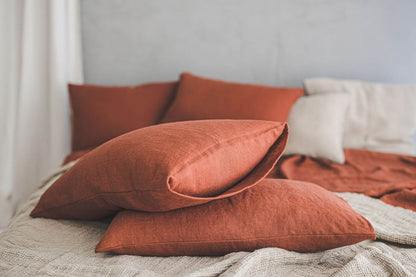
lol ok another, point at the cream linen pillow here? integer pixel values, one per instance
(381, 117)
(316, 126)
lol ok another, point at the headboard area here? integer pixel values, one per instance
(270, 42)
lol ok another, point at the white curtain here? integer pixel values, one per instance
(40, 52)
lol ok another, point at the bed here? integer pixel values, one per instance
(378, 186)
(66, 248)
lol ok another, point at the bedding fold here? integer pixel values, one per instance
(389, 177)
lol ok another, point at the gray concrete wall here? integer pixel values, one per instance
(275, 42)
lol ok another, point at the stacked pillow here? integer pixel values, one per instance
(165, 167)
(288, 214)
(195, 187)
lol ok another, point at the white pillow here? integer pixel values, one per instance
(316, 126)
(381, 117)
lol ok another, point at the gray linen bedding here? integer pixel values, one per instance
(46, 247)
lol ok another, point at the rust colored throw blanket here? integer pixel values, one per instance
(389, 177)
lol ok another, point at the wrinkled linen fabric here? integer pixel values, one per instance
(165, 167)
(288, 214)
(47, 247)
(389, 177)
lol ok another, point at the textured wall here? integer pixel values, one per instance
(275, 42)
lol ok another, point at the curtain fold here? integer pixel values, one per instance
(40, 52)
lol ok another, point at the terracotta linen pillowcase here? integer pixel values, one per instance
(288, 214)
(166, 167)
(100, 113)
(201, 98)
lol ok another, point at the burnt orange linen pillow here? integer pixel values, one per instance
(288, 214)
(165, 167)
(100, 113)
(200, 98)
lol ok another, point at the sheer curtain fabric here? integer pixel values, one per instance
(40, 52)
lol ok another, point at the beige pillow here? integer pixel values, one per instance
(316, 126)
(381, 117)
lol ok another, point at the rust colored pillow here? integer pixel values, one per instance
(165, 167)
(100, 113)
(288, 214)
(200, 98)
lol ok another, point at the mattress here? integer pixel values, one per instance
(48, 247)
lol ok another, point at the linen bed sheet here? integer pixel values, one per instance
(389, 177)
(47, 247)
